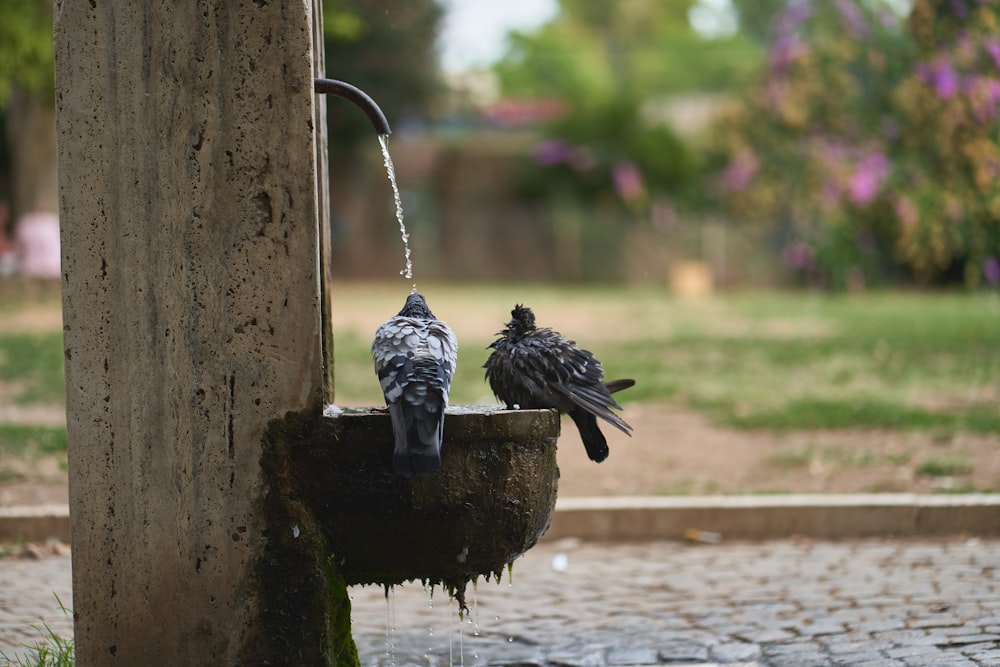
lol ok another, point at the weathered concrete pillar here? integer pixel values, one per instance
(191, 310)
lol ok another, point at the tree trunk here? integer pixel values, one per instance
(31, 136)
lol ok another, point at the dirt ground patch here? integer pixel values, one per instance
(679, 452)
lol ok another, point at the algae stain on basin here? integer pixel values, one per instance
(491, 501)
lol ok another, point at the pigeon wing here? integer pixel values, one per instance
(574, 374)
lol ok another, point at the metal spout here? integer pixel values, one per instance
(360, 99)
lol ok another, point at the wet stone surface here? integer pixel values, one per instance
(787, 603)
(873, 603)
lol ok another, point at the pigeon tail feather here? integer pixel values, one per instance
(418, 435)
(593, 440)
(617, 385)
(406, 464)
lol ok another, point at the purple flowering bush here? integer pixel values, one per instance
(870, 148)
(606, 154)
(947, 203)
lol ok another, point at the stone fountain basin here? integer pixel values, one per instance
(491, 501)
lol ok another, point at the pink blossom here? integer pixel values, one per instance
(792, 16)
(945, 80)
(867, 178)
(941, 75)
(553, 152)
(798, 255)
(853, 19)
(984, 95)
(785, 51)
(628, 181)
(887, 18)
(993, 49)
(740, 170)
(37, 241)
(991, 270)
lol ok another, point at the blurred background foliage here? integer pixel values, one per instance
(868, 145)
(389, 51)
(27, 124)
(836, 143)
(631, 48)
(26, 51)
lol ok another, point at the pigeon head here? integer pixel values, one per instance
(522, 319)
(416, 306)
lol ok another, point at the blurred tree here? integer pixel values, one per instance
(756, 17)
(26, 47)
(26, 96)
(639, 47)
(386, 48)
(946, 206)
(870, 145)
(611, 63)
(600, 153)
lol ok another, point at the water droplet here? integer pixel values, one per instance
(295, 531)
(475, 611)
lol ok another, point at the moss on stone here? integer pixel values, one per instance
(338, 516)
(305, 612)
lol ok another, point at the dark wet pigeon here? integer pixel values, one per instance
(415, 355)
(538, 368)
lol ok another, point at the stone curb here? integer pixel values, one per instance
(636, 518)
(34, 523)
(772, 517)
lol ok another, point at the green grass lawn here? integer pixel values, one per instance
(778, 360)
(899, 361)
(760, 360)
(21, 439)
(33, 365)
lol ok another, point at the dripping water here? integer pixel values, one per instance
(390, 625)
(451, 641)
(469, 616)
(461, 640)
(430, 626)
(390, 170)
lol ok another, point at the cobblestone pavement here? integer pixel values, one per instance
(885, 603)
(775, 604)
(28, 602)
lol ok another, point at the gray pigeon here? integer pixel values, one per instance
(537, 368)
(415, 356)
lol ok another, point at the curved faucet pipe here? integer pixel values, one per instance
(360, 99)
